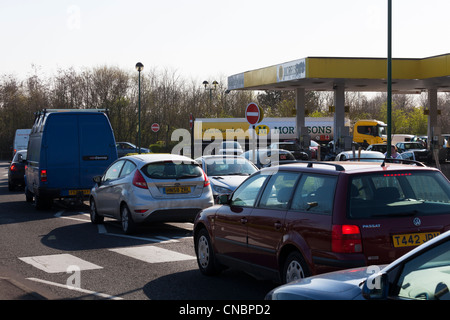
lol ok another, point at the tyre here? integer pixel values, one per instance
(294, 268)
(128, 225)
(42, 202)
(28, 195)
(205, 254)
(95, 217)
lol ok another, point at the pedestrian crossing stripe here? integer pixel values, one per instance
(57, 263)
(152, 254)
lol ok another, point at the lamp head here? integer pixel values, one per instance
(139, 66)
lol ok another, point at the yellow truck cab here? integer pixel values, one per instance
(367, 132)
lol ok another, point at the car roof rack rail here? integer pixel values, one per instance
(311, 164)
(402, 161)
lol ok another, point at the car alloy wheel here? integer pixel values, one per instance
(127, 221)
(205, 254)
(294, 268)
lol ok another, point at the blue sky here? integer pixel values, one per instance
(201, 39)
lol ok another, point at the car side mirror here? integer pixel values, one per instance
(375, 287)
(97, 179)
(223, 199)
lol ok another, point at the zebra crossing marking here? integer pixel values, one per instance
(152, 254)
(57, 263)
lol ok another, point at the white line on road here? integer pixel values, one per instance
(156, 239)
(98, 294)
(57, 263)
(152, 254)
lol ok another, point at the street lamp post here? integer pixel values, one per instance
(139, 68)
(206, 83)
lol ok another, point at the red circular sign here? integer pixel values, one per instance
(155, 127)
(253, 114)
(191, 121)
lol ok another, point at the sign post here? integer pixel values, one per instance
(191, 127)
(254, 115)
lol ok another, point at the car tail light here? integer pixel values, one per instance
(43, 175)
(13, 167)
(139, 181)
(346, 239)
(206, 182)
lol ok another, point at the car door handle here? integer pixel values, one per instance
(278, 225)
(244, 220)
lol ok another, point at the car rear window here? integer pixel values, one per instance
(172, 170)
(398, 194)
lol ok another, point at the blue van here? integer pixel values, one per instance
(66, 149)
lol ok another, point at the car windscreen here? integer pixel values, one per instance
(172, 170)
(396, 194)
(229, 166)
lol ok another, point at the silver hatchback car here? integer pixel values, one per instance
(150, 187)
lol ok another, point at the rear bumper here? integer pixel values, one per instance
(173, 215)
(170, 210)
(54, 193)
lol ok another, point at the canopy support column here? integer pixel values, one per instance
(302, 130)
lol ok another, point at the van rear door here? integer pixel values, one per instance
(60, 152)
(97, 147)
(78, 147)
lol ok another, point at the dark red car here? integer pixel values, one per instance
(297, 220)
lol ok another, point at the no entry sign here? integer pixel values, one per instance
(155, 127)
(253, 114)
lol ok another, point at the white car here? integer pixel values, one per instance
(150, 187)
(226, 173)
(372, 156)
(231, 148)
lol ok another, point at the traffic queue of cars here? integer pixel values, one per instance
(290, 222)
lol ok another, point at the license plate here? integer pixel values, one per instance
(75, 192)
(175, 190)
(412, 239)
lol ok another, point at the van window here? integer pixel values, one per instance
(278, 191)
(315, 194)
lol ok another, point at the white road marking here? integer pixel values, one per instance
(156, 239)
(102, 230)
(152, 254)
(59, 263)
(98, 294)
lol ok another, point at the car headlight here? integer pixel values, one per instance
(221, 189)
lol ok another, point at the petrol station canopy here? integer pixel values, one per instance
(355, 74)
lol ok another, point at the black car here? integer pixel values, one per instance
(264, 157)
(16, 171)
(293, 147)
(124, 148)
(420, 153)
